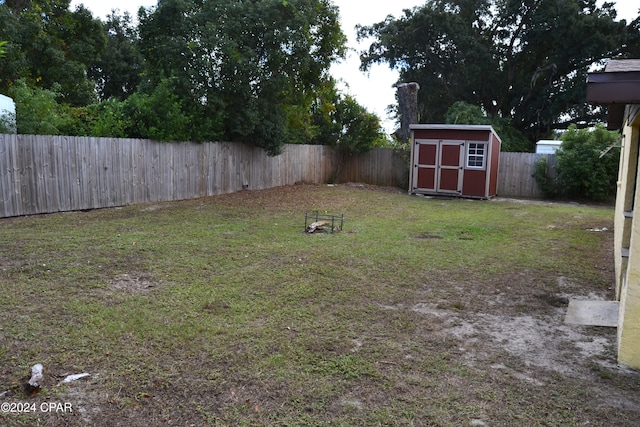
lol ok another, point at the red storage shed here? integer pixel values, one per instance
(454, 160)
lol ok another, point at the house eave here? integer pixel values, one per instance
(615, 90)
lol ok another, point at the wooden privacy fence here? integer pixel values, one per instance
(516, 174)
(43, 174)
(380, 166)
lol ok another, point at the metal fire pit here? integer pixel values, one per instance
(315, 221)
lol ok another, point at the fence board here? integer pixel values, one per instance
(9, 179)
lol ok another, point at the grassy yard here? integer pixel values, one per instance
(222, 311)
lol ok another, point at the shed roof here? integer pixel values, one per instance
(486, 128)
(622, 65)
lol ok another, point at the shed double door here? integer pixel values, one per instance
(438, 166)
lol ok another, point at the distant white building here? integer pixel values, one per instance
(547, 146)
(7, 113)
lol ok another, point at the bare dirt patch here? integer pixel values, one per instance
(133, 283)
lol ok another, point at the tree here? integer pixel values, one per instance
(199, 70)
(341, 122)
(522, 61)
(118, 71)
(51, 47)
(462, 113)
(249, 63)
(588, 163)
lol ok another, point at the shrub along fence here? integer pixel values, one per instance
(44, 174)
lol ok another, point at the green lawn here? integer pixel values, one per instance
(222, 311)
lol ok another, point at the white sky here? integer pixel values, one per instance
(374, 89)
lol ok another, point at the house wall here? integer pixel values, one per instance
(627, 243)
(623, 218)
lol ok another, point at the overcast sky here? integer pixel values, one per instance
(375, 89)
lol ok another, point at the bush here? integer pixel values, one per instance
(546, 178)
(587, 165)
(37, 110)
(159, 115)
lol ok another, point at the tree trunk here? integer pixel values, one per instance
(408, 100)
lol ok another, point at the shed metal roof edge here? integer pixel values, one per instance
(421, 126)
(613, 76)
(455, 127)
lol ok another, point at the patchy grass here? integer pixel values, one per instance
(222, 311)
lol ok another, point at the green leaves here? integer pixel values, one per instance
(466, 114)
(252, 59)
(119, 69)
(341, 122)
(198, 70)
(37, 111)
(523, 61)
(584, 169)
(51, 47)
(587, 165)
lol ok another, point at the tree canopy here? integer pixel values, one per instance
(524, 61)
(50, 46)
(118, 71)
(246, 62)
(250, 71)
